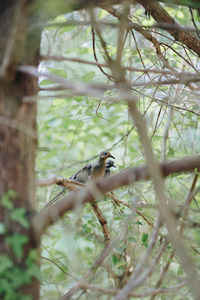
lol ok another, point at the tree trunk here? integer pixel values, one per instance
(18, 141)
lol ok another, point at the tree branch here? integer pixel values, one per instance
(161, 16)
(51, 214)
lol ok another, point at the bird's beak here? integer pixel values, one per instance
(112, 156)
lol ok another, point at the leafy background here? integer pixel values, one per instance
(75, 129)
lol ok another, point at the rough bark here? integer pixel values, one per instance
(20, 45)
(161, 16)
(17, 128)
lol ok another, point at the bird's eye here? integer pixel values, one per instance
(105, 153)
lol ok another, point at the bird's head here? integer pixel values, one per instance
(105, 154)
(110, 164)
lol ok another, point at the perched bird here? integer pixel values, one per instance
(109, 164)
(98, 168)
(92, 171)
(81, 176)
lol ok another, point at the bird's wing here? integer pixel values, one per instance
(83, 174)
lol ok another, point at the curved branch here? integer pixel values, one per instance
(161, 16)
(51, 214)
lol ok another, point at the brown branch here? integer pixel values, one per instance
(59, 267)
(83, 61)
(163, 273)
(102, 221)
(146, 34)
(75, 186)
(79, 4)
(78, 88)
(161, 16)
(165, 210)
(184, 213)
(147, 293)
(42, 182)
(99, 90)
(50, 215)
(95, 55)
(119, 202)
(189, 198)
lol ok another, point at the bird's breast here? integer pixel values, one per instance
(98, 171)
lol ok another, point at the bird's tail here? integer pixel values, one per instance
(57, 197)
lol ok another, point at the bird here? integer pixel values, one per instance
(90, 171)
(81, 176)
(109, 164)
(98, 168)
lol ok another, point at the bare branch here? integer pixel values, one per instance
(83, 61)
(150, 292)
(165, 210)
(47, 217)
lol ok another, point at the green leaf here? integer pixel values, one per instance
(19, 215)
(180, 271)
(114, 259)
(46, 82)
(171, 152)
(6, 199)
(138, 223)
(102, 13)
(59, 72)
(34, 271)
(144, 237)
(18, 278)
(6, 202)
(5, 263)
(17, 241)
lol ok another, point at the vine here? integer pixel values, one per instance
(18, 267)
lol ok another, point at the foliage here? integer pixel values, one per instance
(12, 275)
